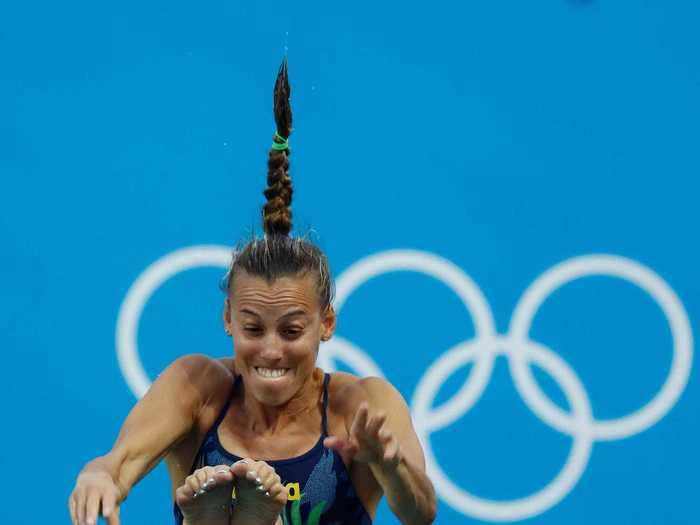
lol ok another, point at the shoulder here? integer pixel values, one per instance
(200, 376)
(197, 367)
(347, 392)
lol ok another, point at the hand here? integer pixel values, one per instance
(95, 493)
(369, 441)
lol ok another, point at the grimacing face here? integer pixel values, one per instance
(277, 328)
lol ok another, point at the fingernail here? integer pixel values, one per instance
(260, 488)
(267, 494)
(258, 480)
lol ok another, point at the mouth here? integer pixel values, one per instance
(270, 373)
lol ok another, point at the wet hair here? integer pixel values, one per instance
(278, 253)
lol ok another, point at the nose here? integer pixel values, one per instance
(272, 349)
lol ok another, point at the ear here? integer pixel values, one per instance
(328, 324)
(227, 316)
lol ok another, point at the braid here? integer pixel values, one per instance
(278, 253)
(277, 215)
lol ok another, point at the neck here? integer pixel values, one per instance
(264, 419)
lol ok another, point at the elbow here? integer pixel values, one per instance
(430, 508)
(430, 512)
(425, 513)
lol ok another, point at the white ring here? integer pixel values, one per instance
(483, 349)
(432, 419)
(338, 348)
(140, 292)
(421, 262)
(440, 269)
(558, 488)
(645, 279)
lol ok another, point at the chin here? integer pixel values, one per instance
(272, 398)
(272, 393)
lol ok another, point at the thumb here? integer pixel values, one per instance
(338, 444)
(113, 518)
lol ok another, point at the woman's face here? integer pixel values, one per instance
(276, 328)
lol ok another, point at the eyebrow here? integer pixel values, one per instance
(297, 311)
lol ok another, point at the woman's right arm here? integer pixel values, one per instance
(159, 420)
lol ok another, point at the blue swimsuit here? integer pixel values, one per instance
(319, 485)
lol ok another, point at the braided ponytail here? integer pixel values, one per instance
(279, 254)
(277, 215)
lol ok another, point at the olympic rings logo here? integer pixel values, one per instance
(515, 346)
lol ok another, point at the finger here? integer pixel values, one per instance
(80, 498)
(375, 423)
(360, 420)
(344, 446)
(385, 436)
(334, 442)
(92, 507)
(109, 501)
(392, 453)
(72, 509)
(340, 445)
(114, 517)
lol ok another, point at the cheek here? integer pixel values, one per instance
(296, 352)
(245, 347)
(303, 350)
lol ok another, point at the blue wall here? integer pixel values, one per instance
(535, 164)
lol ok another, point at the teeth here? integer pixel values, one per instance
(271, 372)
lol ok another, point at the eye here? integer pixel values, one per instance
(292, 331)
(253, 329)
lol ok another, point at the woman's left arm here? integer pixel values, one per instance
(381, 434)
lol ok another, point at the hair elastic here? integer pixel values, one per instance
(280, 146)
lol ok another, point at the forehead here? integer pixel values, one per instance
(283, 292)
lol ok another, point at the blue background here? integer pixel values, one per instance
(504, 136)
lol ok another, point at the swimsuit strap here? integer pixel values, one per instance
(324, 418)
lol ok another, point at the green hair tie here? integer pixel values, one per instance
(280, 146)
